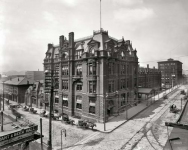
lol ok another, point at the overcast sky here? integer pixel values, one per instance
(158, 29)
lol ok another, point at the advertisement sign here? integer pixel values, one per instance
(15, 136)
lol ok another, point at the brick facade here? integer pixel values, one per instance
(94, 77)
(149, 78)
(171, 72)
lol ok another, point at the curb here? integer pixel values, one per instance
(132, 116)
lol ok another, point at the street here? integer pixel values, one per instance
(144, 131)
(135, 133)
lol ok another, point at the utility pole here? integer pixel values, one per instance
(3, 98)
(104, 104)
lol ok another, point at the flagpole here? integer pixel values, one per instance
(100, 14)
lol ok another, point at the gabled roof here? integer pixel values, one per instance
(19, 81)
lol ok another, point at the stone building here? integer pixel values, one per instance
(171, 72)
(94, 77)
(34, 95)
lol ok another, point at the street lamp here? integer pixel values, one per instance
(118, 101)
(50, 113)
(3, 99)
(173, 75)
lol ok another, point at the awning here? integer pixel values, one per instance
(145, 90)
(65, 99)
(79, 101)
(57, 96)
(91, 104)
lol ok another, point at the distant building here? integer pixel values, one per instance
(171, 71)
(35, 75)
(34, 94)
(94, 77)
(149, 78)
(14, 88)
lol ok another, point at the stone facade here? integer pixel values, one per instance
(93, 77)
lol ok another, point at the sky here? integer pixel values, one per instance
(158, 29)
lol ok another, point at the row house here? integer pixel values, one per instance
(34, 95)
(93, 78)
(171, 72)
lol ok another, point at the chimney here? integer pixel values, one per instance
(71, 39)
(50, 46)
(61, 41)
(148, 67)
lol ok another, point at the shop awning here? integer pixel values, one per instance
(145, 90)
(57, 96)
(91, 104)
(79, 101)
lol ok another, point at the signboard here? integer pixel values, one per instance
(15, 136)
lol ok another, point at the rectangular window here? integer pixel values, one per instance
(111, 86)
(79, 70)
(65, 84)
(92, 109)
(92, 69)
(78, 54)
(92, 86)
(78, 102)
(92, 101)
(56, 100)
(110, 68)
(79, 87)
(65, 70)
(65, 100)
(123, 99)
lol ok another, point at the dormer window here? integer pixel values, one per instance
(78, 54)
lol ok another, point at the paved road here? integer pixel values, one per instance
(130, 133)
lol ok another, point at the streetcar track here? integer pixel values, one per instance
(166, 104)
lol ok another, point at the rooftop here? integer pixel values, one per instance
(19, 81)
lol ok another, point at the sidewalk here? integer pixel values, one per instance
(123, 117)
(133, 111)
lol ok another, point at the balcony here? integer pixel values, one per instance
(77, 76)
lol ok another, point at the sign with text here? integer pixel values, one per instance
(21, 134)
